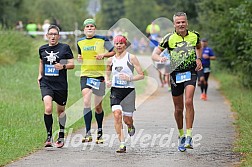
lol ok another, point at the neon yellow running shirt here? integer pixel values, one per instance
(89, 48)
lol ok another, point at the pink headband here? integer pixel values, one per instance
(120, 38)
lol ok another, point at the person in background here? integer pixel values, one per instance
(207, 56)
(45, 27)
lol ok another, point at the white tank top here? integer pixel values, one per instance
(120, 66)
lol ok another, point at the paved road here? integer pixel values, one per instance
(155, 141)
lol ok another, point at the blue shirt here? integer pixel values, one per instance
(208, 51)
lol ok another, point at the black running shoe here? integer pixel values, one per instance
(48, 142)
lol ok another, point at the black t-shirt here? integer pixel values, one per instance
(51, 55)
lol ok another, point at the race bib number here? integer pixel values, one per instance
(206, 70)
(50, 70)
(182, 77)
(94, 83)
(119, 82)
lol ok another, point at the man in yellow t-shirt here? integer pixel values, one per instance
(92, 49)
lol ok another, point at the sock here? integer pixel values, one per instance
(62, 123)
(87, 118)
(99, 119)
(181, 132)
(48, 119)
(122, 144)
(206, 86)
(189, 132)
(202, 87)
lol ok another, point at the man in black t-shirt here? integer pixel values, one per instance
(55, 59)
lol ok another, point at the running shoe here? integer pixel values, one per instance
(59, 143)
(131, 131)
(87, 138)
(122, 149)
(188, 142)
(99, 139)
(181, 144)
(48, 142)
(203, 96)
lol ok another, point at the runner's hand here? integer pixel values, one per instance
(108, 83)
(39, 78)
(124, 77)
(163, 59)
(99, 56)
(79, 59)
(199, 65)
(58, 66)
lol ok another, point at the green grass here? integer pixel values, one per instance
(22, 127)
(241, 103)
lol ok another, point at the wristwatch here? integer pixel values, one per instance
(199, 58)
(64, 66)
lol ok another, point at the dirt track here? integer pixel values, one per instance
(155, 141)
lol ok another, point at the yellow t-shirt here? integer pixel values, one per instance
(89, 48)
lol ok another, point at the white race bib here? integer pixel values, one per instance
(119, 82)
(50, 70)
(182, 77)
(206, 70)
(94, 83)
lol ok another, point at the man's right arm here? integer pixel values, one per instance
(156, 54)
(108, 72)
(40, 70)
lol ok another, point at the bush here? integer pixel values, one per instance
(14, 46)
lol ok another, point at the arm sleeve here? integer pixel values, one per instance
(108, 45)
(164, 43)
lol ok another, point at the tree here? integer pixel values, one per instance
(111, 11)
(141, 12)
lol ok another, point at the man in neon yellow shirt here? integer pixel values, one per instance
(92, 49)
(185, 52)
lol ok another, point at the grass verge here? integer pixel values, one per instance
(241, 103)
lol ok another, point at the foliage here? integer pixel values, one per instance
(14, 47)
(242, 27)
(66, 12)
(139, 16)
(227, 24)
(111, 11)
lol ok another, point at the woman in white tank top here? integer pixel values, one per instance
(122, 98)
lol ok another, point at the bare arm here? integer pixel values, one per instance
(199, 56)
(140, 73)
(212, 57)
(108, 72)
(40, 70)
(199, 50)
(69, 65)
(108, 54)
(156, 55)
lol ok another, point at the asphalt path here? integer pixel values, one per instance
(155, 141)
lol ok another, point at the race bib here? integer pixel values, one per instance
(50, 70)
(182, 77)
(206, 70)
(119, 82)
(94, 83)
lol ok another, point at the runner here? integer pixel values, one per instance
(91, 52)
(184, 47)
(204, 74)
(122, 98)
(55, 59)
